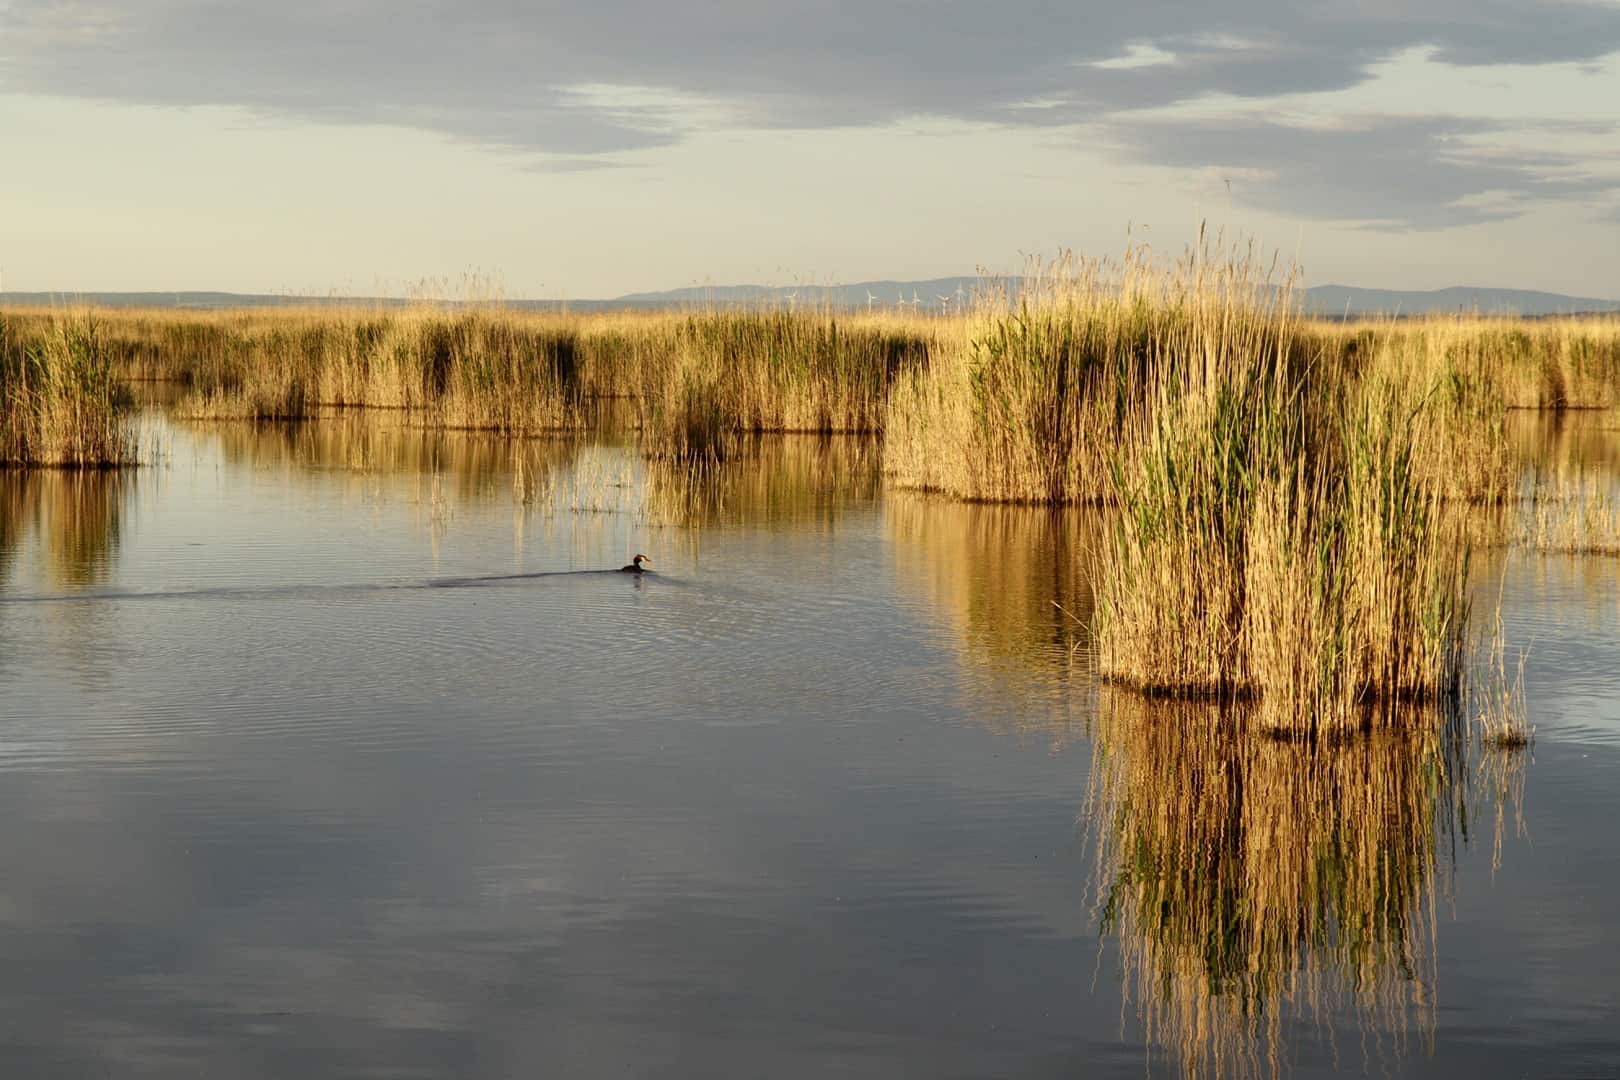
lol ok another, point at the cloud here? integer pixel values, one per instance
(497, 72)
(580, 80)
(1389, 173)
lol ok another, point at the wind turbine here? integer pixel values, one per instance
(792, 299)
(944, 302)
(871, 298)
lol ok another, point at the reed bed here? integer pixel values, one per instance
(694, 379)
(1030, 404)
(1560, 363)
(1295, 555)
(461, 371)
(1283, 491)
(1456, 395)
(1007, 401)
(61, 401)
(1035, 400)
(727, 373)
(1283, 529)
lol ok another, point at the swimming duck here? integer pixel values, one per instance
(635, 565)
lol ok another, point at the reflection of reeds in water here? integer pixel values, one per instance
(473, 466)
(1567, 488)
(1258, 885)
(1009, 584)
(1502, 770)
(774, 478)
(1260, 888)
(1570, 513)
(76, 518)
(1495, 703)
(1009, 579)
(805, 480)
(1564, 441)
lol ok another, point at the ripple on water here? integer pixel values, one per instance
(804, 783)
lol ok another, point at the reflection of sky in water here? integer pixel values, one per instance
(803, 803)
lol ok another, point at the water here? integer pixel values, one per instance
(326, 750)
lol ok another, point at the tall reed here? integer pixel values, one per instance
(1281, 530)
(730, 372)
(463, 371)
(61, 402)
(696, 379)
(1560, 363)
(1028, 405)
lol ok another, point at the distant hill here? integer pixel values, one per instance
(1325, 300)
(213, 301)
(922, 294)
(1339, 299)
(932, 294)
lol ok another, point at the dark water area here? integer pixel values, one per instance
(329, 750)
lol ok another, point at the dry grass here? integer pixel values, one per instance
(1446, 378)
(694, 379)
(727, 372)
(460, 371)
(1571, 363)
(1498, 702)
(1030, 402)
(61, 402)
(1282, 531)
(1005, 402)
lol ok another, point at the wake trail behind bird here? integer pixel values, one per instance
(318, 590)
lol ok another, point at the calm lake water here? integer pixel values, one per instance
(326, 751)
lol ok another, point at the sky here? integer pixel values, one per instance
(560, 149)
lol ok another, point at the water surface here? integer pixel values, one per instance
(329, 748)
